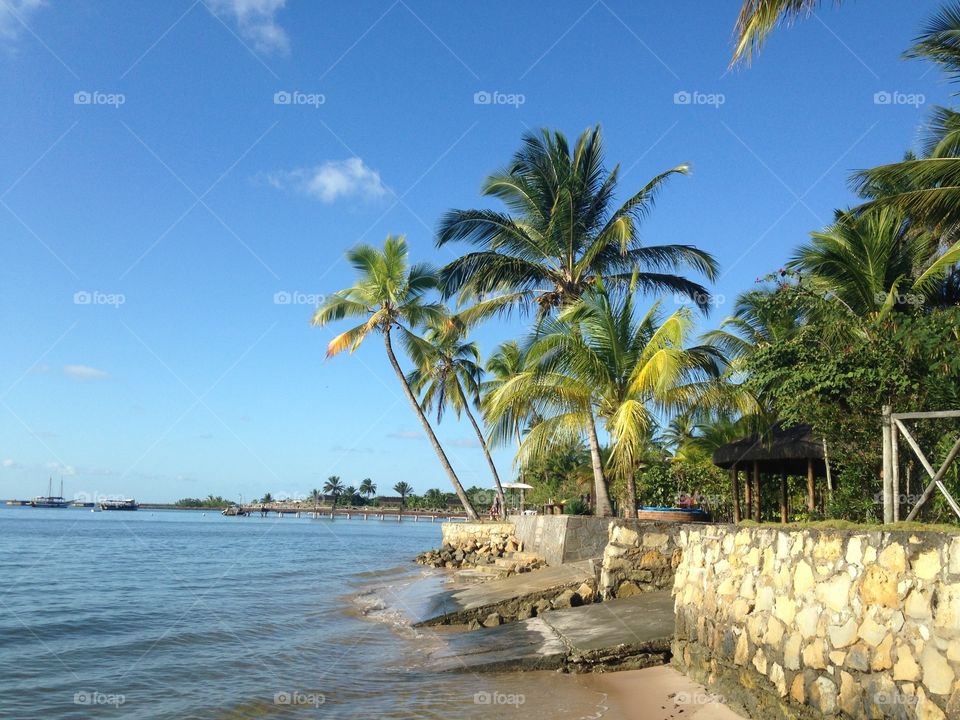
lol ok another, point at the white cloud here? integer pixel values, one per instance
(84, 372)
(12, 464)
(61, 469)
(406, 435)
(256, 21)
(332, 180)
(13, 15)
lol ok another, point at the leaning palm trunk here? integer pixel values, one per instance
(464, 500)
(493, 467)
(602, 507)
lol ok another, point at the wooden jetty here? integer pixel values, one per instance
(319, 513)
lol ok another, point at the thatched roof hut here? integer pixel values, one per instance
(782, 451)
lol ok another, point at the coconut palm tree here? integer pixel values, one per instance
(448, 375)
(402, 489)
(389, 295)
(333, 487)
(315, 497)
(598, 358)
(561, 233)
(758, 18)
(506, 362)
(368, 488)
(870, 262)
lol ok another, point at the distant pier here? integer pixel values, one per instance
(320, 513)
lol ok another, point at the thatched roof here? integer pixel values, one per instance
(782, 450)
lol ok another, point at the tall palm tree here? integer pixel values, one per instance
(599, 358)
(561, 233)
(448, 375)
(368, 488)
(389, 295)
(315, 497)
(333, 487)
(402, 489)
(758, 18)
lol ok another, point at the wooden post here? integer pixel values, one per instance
(887, 476)
(895, 466)
(756, 490)
(826, 464)
(784, 507)
(811, 487)
(735, 492)
(747, 496)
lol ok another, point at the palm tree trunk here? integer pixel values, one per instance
(630, 511)
(602, 507)
(464, 500)
(493, 467)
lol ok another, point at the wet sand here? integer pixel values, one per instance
(657, 693)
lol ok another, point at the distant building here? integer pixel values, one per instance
(388, 501)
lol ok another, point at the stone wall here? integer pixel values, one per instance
(812, 624)
(640, 556)
(460, 535)
(562, 538)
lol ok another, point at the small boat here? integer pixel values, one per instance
(50, 500)
(127, 504)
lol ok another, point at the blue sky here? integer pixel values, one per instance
(159, 201)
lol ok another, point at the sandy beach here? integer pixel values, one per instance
(657, 693)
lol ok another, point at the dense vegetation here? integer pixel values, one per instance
(610, 401)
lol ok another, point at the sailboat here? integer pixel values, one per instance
(50, 500)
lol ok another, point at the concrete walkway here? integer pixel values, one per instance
(456, 607)
(622, 633)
